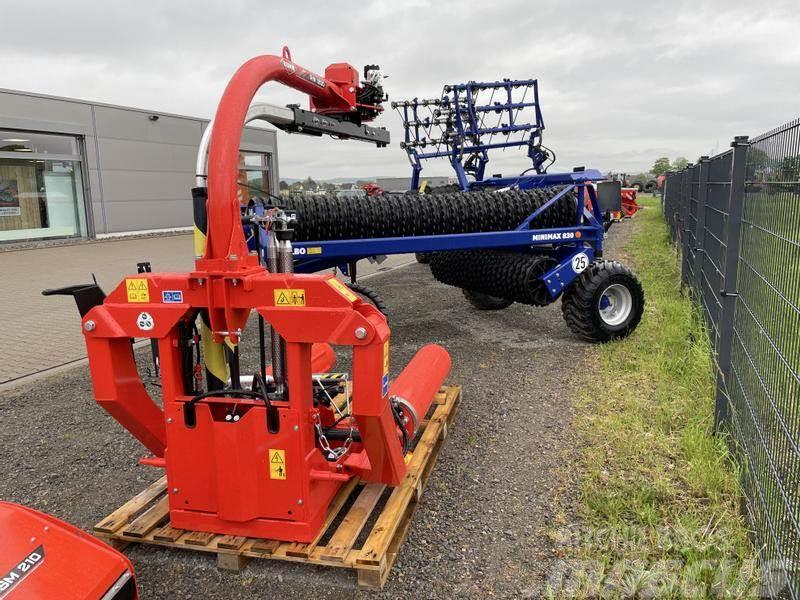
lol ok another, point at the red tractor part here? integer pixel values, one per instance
(262, 461)
(372, 189)
(629, 205)
(42, 557)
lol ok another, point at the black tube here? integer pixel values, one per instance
(189, 411)
(233, 362)
(187, 357)
(341, 434)
(262, 347)
(273, 418)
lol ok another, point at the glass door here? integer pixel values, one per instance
(41, 187)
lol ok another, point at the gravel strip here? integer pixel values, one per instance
(480, 527)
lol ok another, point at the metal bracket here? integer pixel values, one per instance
(310, 123)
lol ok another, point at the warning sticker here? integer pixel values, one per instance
(138, 290)
(145, 321)
(172, 296)
(277, 464)
(314, 250)
(287, 297)
(385, 378)
(342, 289)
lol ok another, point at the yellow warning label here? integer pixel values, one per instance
(342, 289)
(138, 290)
(277, 464)
(386, 357)
(287, 297)
(314, 250)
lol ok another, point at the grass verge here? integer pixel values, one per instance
(659, 496)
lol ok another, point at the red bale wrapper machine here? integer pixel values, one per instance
(263, 456)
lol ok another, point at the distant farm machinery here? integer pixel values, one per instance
(530, 238)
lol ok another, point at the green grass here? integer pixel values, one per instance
(659, 496)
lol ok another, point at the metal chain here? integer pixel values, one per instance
(337, 453)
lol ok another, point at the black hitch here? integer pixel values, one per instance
(86, 295)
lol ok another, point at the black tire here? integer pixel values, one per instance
(423, 258)
(483, 301)
(651, 186)
(370, 296)
(637, 185)
(581, 302)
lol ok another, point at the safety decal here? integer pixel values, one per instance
(145, 321)
(138, 290)
(172, 296)
(314, 250)
(288, 297)
(580, 262)
(331, 375)
(385, 378)
(342, 289)
(277, 464)
(21, 570)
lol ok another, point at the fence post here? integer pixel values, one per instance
(685, 209)
(729, 290)
(700, 230)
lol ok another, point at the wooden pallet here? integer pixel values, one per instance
(144, 519)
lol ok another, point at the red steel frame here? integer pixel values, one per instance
(218, 472)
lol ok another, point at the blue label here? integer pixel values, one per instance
(172, 297)
(385, 384)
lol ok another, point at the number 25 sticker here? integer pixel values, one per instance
(580, 262)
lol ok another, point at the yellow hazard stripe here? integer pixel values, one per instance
(199, 242)
(213, 354)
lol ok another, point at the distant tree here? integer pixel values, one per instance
(789, 169)
(757, 164)
(310, 184)
(283, 185)
(679, 164)
(661, 166)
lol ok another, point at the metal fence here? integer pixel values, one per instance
(736, 219)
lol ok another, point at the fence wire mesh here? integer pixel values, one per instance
(750, 196)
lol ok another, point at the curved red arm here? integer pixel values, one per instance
(225, 235)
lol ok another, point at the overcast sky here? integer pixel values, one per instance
(621, 83)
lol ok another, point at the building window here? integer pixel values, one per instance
(41, 187)
(253, 176)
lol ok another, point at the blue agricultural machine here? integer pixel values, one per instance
(529, 238)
